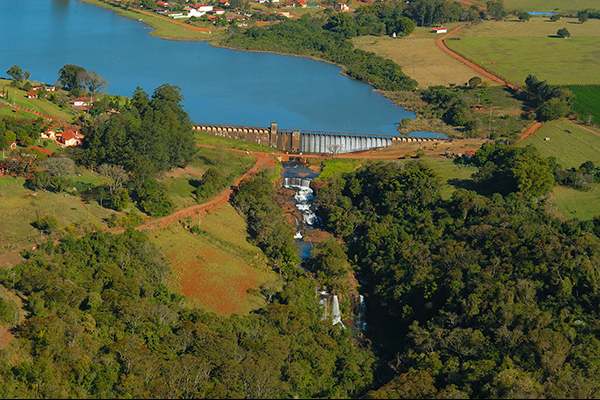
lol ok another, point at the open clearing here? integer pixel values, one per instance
(513, 49)
(218, 269)
(420, 58)
(570, 144)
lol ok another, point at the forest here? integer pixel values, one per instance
(477, 296)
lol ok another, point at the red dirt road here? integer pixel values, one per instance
(442, 45)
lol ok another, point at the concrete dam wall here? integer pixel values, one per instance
(307, 142)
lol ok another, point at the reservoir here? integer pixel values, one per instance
(219, 86)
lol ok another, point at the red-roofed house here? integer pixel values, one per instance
(71, 138)
(162, 3)
(83, 103)
(219, 11)
(288, 4)
(301, 3)
(32, 94)
(48, 134)
(224, 3)
(439, 30)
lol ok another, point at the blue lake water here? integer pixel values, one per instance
(219, 86)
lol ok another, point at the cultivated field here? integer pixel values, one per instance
(513, 49)
(587, 103)
(420, 58)
(217, 270)
(570, 144)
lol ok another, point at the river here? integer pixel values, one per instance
(220, 86)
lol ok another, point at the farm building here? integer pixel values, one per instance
(439, 30)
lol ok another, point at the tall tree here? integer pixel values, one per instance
(68, 76)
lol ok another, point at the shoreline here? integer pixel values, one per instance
(216, 43)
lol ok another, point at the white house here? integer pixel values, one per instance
(439, 30)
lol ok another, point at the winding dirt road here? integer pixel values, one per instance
(440, 43)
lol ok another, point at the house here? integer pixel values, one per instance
(224, 3)
(48, 134)
(162, 4)
(286, 14)
(288, 4)
(301, 3)
(83, 103)
(342, 7)
(439, 30)
(12, 145)
(219, 11)
(32, 94)
(469, 154)
(71, 138)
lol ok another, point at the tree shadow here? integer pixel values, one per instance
(467, 184)
(195, 183)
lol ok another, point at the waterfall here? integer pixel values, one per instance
(336, 316)
(361, 323)
(303, 197)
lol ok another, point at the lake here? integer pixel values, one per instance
(220, 86)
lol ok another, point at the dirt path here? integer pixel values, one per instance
(29, 111)
(442, 45)
(531, 129)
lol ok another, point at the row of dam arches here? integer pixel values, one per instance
(308, 142)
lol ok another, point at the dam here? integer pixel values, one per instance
(308, 142)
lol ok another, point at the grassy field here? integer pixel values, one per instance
(19, 211)
(181, 183)
(19, 97)
(218, 269)
(420, 58)
(513, 50)
(570, 144)
(546, 5)
(227, 143)
(573, 203)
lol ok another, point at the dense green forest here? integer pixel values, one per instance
(478, 297)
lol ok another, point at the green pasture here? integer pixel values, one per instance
(18, 209)
(181, 183)
(224, 142)
(337, 167)
(570, 144)
(513, 50)
(547, 5)
(39, 105)
(574, 203)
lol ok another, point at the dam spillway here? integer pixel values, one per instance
(308, 142)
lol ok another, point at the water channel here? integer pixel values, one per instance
(220, 86)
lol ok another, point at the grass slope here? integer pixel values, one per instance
(218, 269)
(570, 144)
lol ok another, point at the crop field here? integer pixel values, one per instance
(420, 58)
(513, 50)
(217, 270)
(587, 103)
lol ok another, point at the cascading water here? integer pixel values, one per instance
(336, 316)
(361, 323)
(297, 177)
